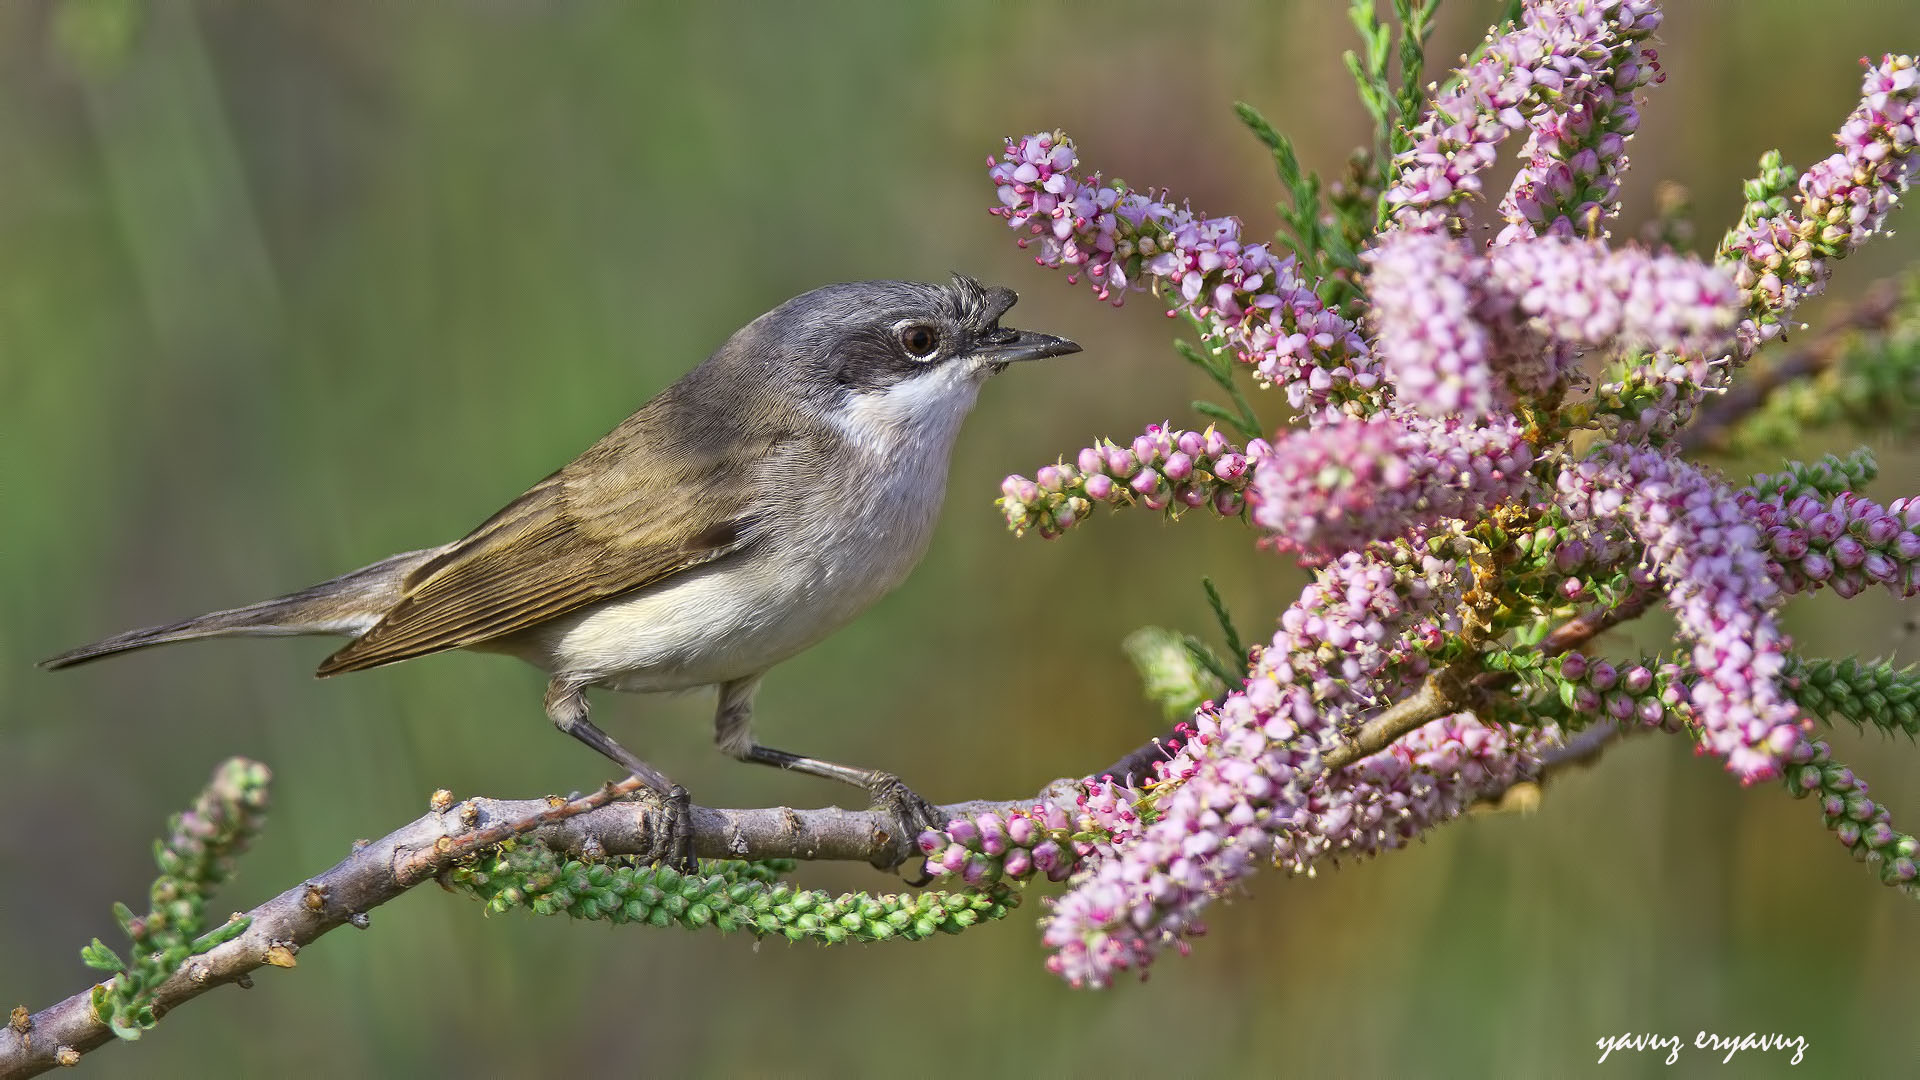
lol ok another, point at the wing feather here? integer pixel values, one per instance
(621, 517)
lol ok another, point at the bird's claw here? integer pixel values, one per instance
(911, 814)
(669, 829)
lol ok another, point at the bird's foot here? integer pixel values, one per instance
(669, 829)
(911, 814)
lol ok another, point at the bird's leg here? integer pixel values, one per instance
(733, 731)
(671, 841)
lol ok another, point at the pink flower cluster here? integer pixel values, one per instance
(986, 847)
(1844, 200)
(1437, 353)
(1445, 415)
(1248, 788)
(1584, 293)
(1335, 487)
(1636, 694)
(1465, 334)
(1707, 554)
(1563, 54)
(1576, 145)
(1847, 542)
(1429, 776)
(1252, 299)
(1163, 468)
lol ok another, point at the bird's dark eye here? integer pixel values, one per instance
(920, 340)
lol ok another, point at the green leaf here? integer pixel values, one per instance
(221, 934)
(1416, 25)
(1214, 412)
(1302, 217)
(1225, 619)
(1172, 674)
(1209, 362)
(101, 958)
(1206, 659)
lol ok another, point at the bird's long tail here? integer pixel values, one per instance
(349, 605)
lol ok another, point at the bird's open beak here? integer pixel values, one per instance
(1025, 345)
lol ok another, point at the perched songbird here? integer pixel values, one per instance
(744, 514)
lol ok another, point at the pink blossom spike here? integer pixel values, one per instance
(1709, 556)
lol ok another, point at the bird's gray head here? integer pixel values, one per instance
(905, 353)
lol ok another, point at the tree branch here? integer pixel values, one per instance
(376, 872)
(597, 823)
(1873, 311)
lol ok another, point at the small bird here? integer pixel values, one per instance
(741, 516)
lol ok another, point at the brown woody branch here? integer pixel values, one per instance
(600, 823)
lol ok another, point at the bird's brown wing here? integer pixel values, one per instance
(621, 517)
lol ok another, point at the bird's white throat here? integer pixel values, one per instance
(914, 421)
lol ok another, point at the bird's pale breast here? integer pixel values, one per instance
(824, 557)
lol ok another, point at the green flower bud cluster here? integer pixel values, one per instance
(1768, 195)
(1861, 693)
(1855, 819)
(724, 895)
(1573, 690)
(196, 855)
(1823, 479)
(1559, 568)
(1640, 394)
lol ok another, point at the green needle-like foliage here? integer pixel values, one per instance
(1863, 694)
(724, 895)
(196, 856)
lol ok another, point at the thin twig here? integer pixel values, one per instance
(1714, 425)
(1444, 693)
(1582, 749)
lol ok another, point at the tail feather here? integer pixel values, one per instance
(349, 604)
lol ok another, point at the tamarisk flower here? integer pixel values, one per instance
(1847, 542)
(1562, 52)
(1707, 554)
(988, 846)
(1428, 776)
(1584, 293)
(1249, 297)
(1781, 259)
(1646, 693)
(1335, 487)
(1444, 415)
(1438, 355)
(1576, 142)
(1459, 330)
(1781, 253)
(1164, 468)
(1247, 786)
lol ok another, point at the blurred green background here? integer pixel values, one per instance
(286, 286)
